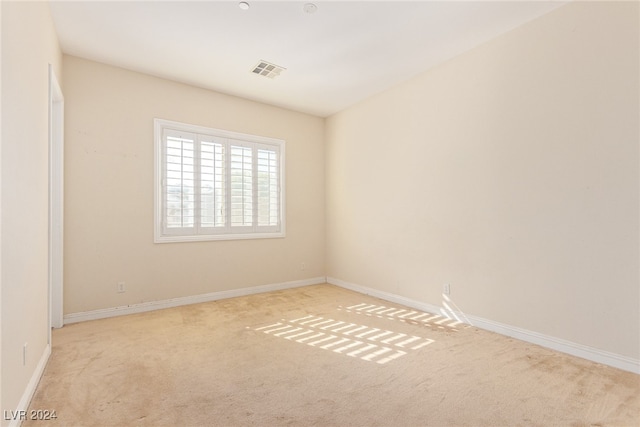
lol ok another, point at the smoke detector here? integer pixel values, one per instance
(264, 68)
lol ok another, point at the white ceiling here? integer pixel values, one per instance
(342, 54)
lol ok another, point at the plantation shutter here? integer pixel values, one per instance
(268, 188)
(178, 190)
(241, 171)
(213, 211)
(215, 185)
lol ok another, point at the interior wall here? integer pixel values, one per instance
(109, 173)
(509, 173)
(1, 402)
(29, 45)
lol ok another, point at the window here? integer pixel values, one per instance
(213, 184)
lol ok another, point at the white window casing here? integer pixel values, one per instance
(212, 184)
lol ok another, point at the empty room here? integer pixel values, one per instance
(330, 213)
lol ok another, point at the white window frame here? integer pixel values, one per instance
(163, 234)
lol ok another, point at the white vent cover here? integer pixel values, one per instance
(267, 69)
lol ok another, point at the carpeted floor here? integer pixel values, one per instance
(318, 356)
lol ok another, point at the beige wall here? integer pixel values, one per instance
(29, 44)
(510, 173)
(109, 192)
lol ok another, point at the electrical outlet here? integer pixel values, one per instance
(446, 289)
(303, 266)
(121, 287)
(24, 354)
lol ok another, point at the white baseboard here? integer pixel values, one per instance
(558, 344)
(23, 406)
(194, 299)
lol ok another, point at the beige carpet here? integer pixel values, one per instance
(318, 356)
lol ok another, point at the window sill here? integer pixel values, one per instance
(216, 237)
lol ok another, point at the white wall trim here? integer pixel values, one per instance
(23, 405)
(194, 299)
(56, 202)
(558, 344)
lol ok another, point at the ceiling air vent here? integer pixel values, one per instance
(267, 69)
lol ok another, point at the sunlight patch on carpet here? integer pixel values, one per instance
(404, 315)
(350, 339)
